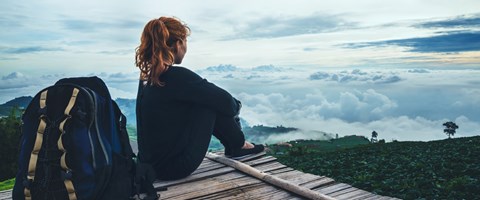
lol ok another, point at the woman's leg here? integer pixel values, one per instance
(229, 132)
(198, 134)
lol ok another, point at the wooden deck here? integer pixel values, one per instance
(213, 180)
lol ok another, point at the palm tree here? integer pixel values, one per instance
(450, 128)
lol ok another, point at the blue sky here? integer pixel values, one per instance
(348, 67)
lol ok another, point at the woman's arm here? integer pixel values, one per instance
(200, 91)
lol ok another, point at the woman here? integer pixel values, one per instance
(177, 110)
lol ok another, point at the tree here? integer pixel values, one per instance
(374, 137)
(450, 128)
(10, 134)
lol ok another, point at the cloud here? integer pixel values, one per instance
(353, 113)
(463, 21)
(14, 75)
(17, 84)
(32, 49)
(310, 49)
(446, 43)
(418, 71)
(295, 135)
(14, 80)
(357, 75)
(350, 106)
(282, 26)
(221, 68)
(266, 68)
(90, 25)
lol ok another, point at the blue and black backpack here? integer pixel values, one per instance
(75, 145)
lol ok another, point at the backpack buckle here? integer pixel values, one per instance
(27, 183)
(67, 175)
(42, 111)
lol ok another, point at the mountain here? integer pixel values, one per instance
(20, 102)
(127, 106)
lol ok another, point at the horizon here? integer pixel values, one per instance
(399, 68)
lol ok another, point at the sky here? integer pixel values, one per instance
(401, 68)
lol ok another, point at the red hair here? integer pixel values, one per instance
(155, 54)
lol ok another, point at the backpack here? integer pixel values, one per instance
(75, 145)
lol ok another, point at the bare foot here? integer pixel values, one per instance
(248, 145)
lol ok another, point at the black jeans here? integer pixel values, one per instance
(202, 124)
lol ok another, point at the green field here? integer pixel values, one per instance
(7, 184)
(444, 169)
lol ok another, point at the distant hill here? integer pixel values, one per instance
(20, 102)
(127, 106)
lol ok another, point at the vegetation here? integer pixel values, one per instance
(374, 137)
(19, 102)
(10, 134)
(450, 128)
(445, 169)
(7, 184)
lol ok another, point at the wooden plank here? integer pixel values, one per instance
(6, 194)
(361, 197)
(208, 168)
(259, 191)
(269, 178)
(200, 184)
(270, 167)
(333, 188)
(195, 177)
(354, 194)
(207, 187)
(375, 197)
(302, 178)
(214, 170)
(288, 175)
(274, 172)
(263, 160)
(320, 181)
(338, 193)
(280, 194)
(252, 157)
(236, 193)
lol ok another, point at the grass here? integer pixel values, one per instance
(444, 169)
(7, 184)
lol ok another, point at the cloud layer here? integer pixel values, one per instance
(282, 26)
(453, 42)
(410, 109)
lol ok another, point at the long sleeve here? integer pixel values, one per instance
(189, 87)
(202, 92)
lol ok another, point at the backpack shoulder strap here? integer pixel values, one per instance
(32, 164)
(67, 174)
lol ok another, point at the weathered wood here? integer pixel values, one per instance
(214, 180)
(207, 187)
(352, 194)
(338, 193)
(333, 188)
(302, 191)
(375, 197)
(7, 194)
(363, 196)
(274, 172)
(320, 182)
(210, 170)
(195, 177)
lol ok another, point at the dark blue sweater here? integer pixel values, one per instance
(163, 112)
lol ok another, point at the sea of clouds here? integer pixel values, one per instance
(399, 104)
